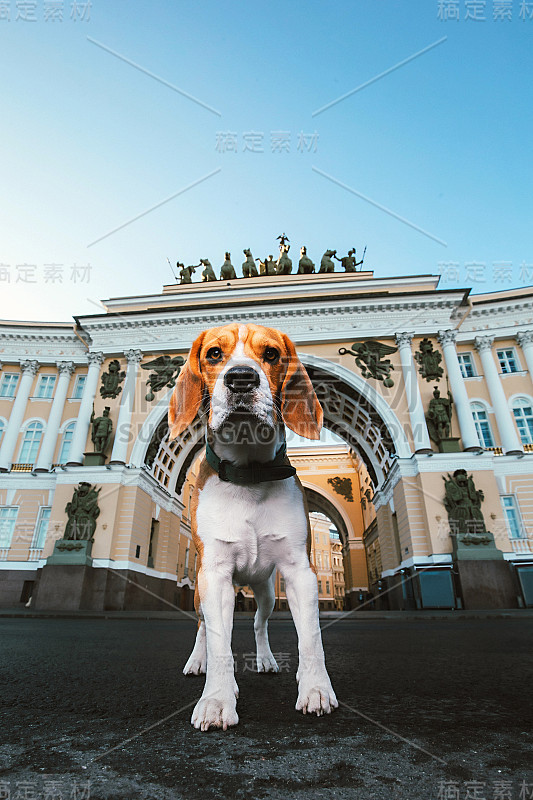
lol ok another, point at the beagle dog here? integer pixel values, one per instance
(248, 512)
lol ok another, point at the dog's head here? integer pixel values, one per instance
(245, 370)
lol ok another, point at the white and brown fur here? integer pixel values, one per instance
(244, 533)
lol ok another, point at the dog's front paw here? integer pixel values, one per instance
(318, 699)
(195, 666)
(214, 712)
(266, 663)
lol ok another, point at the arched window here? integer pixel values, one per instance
(482, 424)
(31, 442)
(523, 414)
(68, 433)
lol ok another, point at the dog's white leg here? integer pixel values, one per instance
(217, 705)
(197, 663)
(315, 692)
(265, 596)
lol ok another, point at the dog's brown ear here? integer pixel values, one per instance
(187, 395)
(300, 409)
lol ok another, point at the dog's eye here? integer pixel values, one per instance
(214, 354)
(271, 355)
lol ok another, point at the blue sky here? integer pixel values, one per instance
(90, 142)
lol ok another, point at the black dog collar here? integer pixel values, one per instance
(254, 472)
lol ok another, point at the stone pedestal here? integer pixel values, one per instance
(449, 445)
(73, 552)
(475, 547)
(487, 584)
(65, 587)
(94, 459)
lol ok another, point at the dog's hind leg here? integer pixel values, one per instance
(197, 663)
(265, 598)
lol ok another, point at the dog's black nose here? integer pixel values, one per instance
(241, 379)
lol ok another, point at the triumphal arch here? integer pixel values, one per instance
(428, 479)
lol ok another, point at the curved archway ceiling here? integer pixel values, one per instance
(346, 413)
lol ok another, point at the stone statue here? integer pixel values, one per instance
(101, 430)
(284, 263)
(111, 380)
(368, 357)
(208, 273)
(268, 266)
(462, 501)
(227, 272)
(185, 273)
(326, 264)
(350, 262)
(305, 265)
(82, 512)
(429, 361)
(283, 240)
(439, 416)
(249, 270)
(342, 486)
(165, 370)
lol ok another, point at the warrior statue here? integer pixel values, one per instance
(439, 416)
(82, 512)
(350, 262)
(101, 430)
(186, 273)
(462, 501)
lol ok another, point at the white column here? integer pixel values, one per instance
(48, 446)
(29, 371)
(127, 398)
(504, 421)
(412, 390)
(525, 340)
(458, 390)
(79, 439)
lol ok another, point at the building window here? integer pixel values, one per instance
(8, 384)
(66, 441)
(326, 561)
(327, 587)
(319, 587)
(466, 363)
(523, 414)
(319, 560)
(8, 518)
(512, 516)
(45, 387)
(79, 387)
(282, 585)
(41, 528)
(481, 421)
(30, 443)
(508, 360)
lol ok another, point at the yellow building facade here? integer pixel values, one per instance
(360, 339)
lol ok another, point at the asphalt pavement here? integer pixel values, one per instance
(431, 709)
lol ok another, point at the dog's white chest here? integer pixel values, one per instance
(248, 529)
